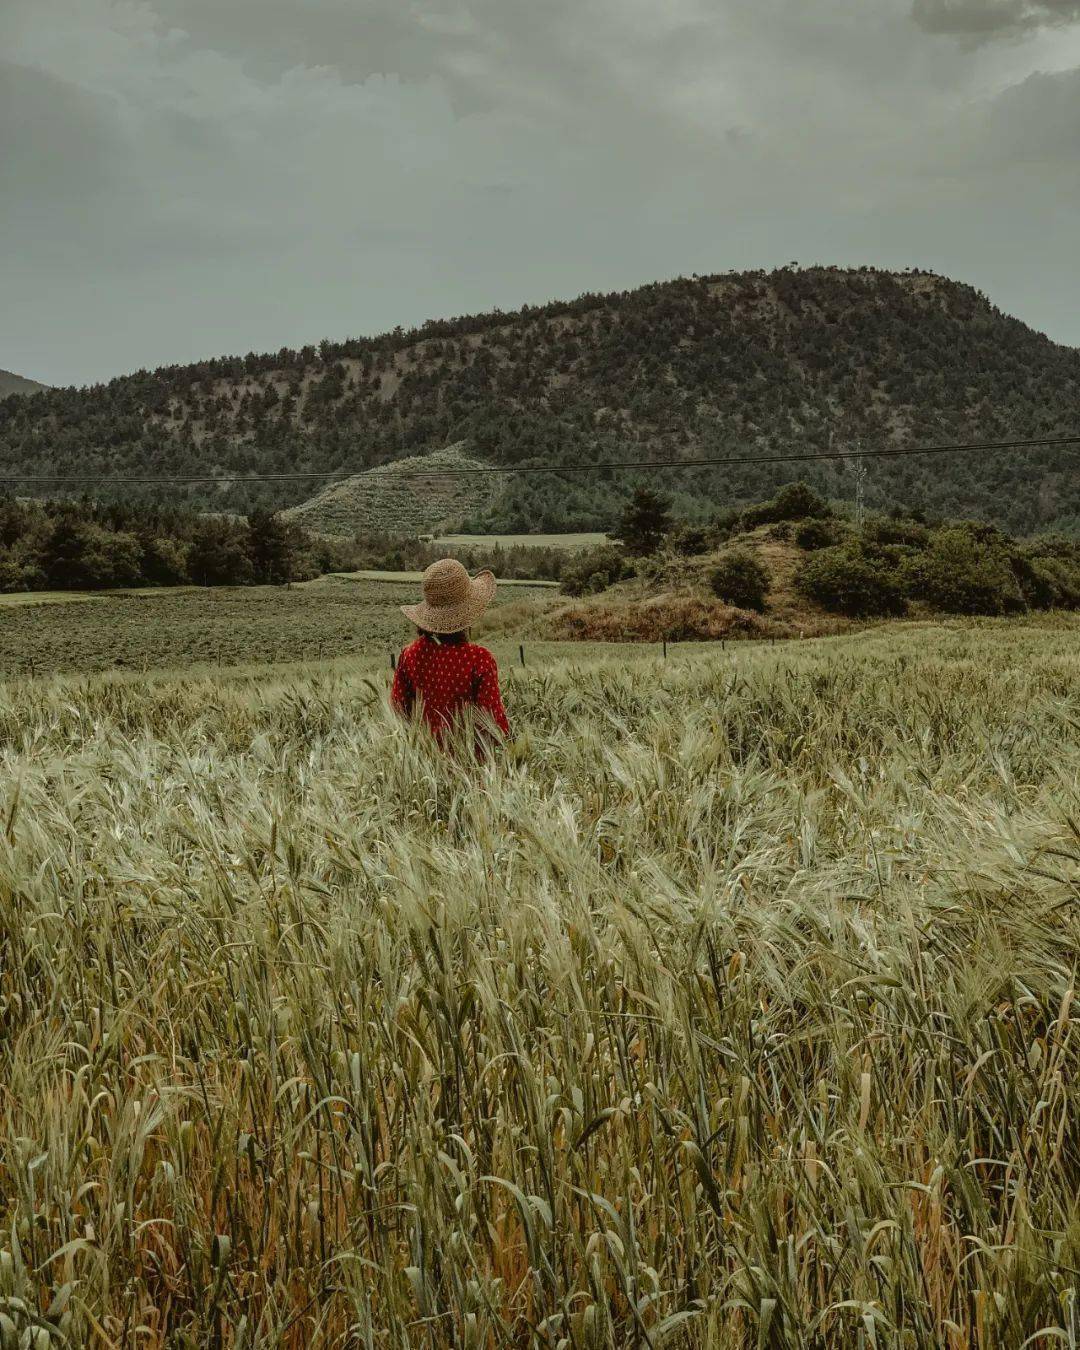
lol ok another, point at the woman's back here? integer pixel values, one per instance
(444, 679)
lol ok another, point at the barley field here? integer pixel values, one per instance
(732, 1006)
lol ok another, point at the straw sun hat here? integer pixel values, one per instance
(452, 599)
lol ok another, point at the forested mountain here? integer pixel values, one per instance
(797, 360)
(17, 384)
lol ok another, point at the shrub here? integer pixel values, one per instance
(1048, 571)
(19, 572)
(740, 579)
(596, 569)
(889, 532)
(846, 580)
(724, 524)
(690, 540)
(796, 501)
(818, 532)
(1060, 546)
(965, 569)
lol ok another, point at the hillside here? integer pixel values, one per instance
(17, 384)
(673, 600)
(410, 496)
(794, 360)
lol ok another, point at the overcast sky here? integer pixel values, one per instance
(182, 178)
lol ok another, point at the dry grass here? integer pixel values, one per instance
(734, 1006)
(655, 618)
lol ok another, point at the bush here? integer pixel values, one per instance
(18, 572)
(1048, 571)
(740, 579)
(894, 532)
(1060, 546)
(796, 501)
(690, 540)
(725, 523)
(845, 580)
(818, 532)
(965, 569)
(1047, 583)
(595, 569)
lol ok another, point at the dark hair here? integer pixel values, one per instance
(445, 639)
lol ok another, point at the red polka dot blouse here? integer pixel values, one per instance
(446, 679)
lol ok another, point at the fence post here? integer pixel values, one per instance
(665, 646)
(521, 653)
(393, 661)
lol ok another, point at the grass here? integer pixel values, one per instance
(732, 1006)
(155, 629)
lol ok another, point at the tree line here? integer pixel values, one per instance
(88, 545)
(91, 545)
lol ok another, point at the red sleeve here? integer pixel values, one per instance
(402, 692)
(488, 696)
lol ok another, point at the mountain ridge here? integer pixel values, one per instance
(10, 383)
(798, 360)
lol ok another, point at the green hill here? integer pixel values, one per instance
(741, 363)
(410, 496)
(17, 384)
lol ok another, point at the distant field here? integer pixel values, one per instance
(414, 579)
(17, 599)
(228, 626)
(568, 541)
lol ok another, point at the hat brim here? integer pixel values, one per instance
(454, 618)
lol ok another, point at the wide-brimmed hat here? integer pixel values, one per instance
(452, 599)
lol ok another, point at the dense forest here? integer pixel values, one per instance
(88, 545)
(797, 360)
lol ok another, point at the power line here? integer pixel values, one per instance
(641, 466)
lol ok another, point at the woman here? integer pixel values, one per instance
(442, 672)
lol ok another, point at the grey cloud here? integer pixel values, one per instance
(1037, 121)
(183, 177)
(990, 18)
(64, 171)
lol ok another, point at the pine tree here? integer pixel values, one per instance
(272, 547)
(645, 522)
